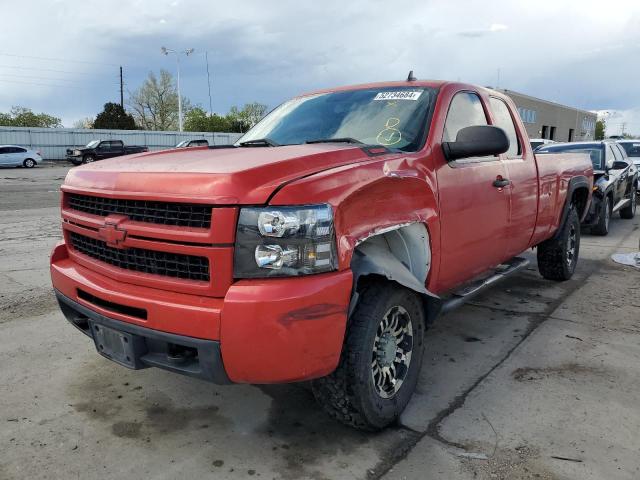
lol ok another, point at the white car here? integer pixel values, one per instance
(16, 156)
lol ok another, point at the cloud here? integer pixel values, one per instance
(269, 53)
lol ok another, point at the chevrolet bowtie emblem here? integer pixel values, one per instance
(112, 233)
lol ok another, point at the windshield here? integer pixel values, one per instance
(393, 117)
(596, 152)
(182, 144)
(93, 143)
(632, 148)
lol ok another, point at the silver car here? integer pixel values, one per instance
(16, 156)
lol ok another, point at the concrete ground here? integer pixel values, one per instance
(533, 379)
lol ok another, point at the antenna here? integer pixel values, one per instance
(410, 77)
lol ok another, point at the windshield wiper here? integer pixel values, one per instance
(260, 142)
(335, 140)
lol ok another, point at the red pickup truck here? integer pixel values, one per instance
(320, 246)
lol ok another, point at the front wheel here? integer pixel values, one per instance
(629, 211)
(29, 163)
(558, 256)
(380, 361)
(88, 159)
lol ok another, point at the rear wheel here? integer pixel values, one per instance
(602, 227)
(558, 256)
(29, 163)
(629, 211)
(380, 361)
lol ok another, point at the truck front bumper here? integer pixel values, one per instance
(263, 331)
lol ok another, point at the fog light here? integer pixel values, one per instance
(275, 256)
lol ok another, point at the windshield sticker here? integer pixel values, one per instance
(401, 95)
(390, 135)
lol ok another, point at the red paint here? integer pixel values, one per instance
(290, 329)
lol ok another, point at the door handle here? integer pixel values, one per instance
(501, 182)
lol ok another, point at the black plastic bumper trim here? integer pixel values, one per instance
(155, 347)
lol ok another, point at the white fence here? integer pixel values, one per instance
(53, 142)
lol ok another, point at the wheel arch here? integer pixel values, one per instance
(578, 194)
(400, 254)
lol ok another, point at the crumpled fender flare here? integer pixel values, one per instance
(370, 259)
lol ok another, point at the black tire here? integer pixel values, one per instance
(29, 163)
(88, 159)
(558, 256)
(349, 394)
(602, 226)
(629, 211)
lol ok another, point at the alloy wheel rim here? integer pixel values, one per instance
(29, 163)
(391, 353)
(607, 213)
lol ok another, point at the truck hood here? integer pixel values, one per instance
(216, 176)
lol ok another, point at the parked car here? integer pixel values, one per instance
(615, 181)
(100, 150)
(538, 142)
(17, 156)
(321, 245)
(200, 142)
(632, 149)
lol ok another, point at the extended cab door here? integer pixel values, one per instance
(522, 174)
(474, 214)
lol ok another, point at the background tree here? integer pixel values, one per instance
(155, 104)
(197, 120)
(86, 122)
(251, 113)
(113, 116)
(601, 128)
(24, 117)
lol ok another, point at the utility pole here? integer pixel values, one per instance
(206, 57)
(624, 127)
(121, 90)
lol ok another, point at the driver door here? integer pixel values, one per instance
(474, 213)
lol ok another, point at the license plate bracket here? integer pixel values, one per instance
(116, 345)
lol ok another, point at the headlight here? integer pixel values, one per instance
(284, 241)
(76, 152)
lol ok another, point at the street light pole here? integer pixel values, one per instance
(187, 52)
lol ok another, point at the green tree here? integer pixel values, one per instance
(251, 113)
(155, 104)
(114, 116)
(24, 117)
(197, 120)
(601, 128)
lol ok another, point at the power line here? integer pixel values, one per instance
(37, 77)
(42, 84)
(18, 67)
(52, 59)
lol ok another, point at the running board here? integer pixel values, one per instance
(622, 203)
(466, 293)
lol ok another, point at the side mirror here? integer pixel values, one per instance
(476, 141)
(619, 165)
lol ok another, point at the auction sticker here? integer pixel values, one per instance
(400, 95)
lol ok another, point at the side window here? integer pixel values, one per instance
(505, 122)
(465, 111)
(617, 154)
(623, 153)
(610, 157)
(4, 150)
(21, 150)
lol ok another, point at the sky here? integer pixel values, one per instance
(63, 57)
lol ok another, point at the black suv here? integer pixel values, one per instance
(615, 181)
